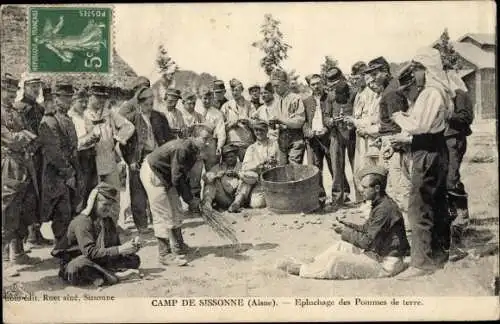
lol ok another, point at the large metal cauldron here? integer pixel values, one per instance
(292, 188)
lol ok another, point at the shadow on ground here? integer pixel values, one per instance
(231, 251)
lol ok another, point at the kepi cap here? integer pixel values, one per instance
(377, 63)
(334, 75)
(259, 124)
(254, 86)
(64, 89)
(30, 79)
(173, 93)
(107, 191)
(235, 83)
(97, 89)
(377, 169)
(228, 148)
(9, 83)
(219, 86)
(144, 93)
(358, 68)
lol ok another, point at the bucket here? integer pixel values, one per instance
(292, 188)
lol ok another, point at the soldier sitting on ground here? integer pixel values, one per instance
(91, 252)
(224, 186)
(372, 250)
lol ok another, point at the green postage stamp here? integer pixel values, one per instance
(70, 39)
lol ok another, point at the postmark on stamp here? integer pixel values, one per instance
(70, 39)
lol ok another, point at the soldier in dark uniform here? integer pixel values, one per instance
(219, 91)
(91, 251)
(60, 177)
(33, 112)
(18, 175)
(151, 130)
(456, 140)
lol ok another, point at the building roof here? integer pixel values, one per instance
(480, 58)
(483, 39)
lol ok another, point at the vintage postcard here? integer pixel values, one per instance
(236, 162)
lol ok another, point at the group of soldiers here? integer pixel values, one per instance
(60, 159)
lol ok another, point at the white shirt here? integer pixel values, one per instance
(258, 153)
(214, 118)
(428, 115)
(150, 143)
(317, 121)
(233, 112)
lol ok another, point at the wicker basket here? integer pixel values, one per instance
(292, 188)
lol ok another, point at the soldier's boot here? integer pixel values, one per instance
(178, 253)
(164, 251)
(457, 251)
(18, 256)
(5, 253)
(8, 269)
(184, 247)
(35, 239)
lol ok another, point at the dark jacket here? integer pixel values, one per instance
(18, 168)
(33, 112)
(334, 110)
(310, 110)
(383, 233)
(82, 237)
(172, 162)
(391, 101)
(462, 117)
(134, 149)
(59, 145)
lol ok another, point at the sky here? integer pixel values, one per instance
(216, 37)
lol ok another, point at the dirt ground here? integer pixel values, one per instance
(220, 269)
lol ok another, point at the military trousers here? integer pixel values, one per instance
(428, 206)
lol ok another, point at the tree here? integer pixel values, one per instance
(164, 62)
(449, 57)
(327, 65)
(274, 47)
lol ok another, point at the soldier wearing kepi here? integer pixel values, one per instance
(86, 142)
(151, 130)
(192, 119)
(18, 174)
(214, 119)
(174, 115)
(219, 90)
(289, 119)
(223, 183)
(164, 175)
(114, 129)
(338, 108)
(315, 131)
(131, 106)
(254, 92)
(428, 207)
(33, 112)
(61, 199)
(237, 113)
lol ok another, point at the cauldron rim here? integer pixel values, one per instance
(315, 168)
